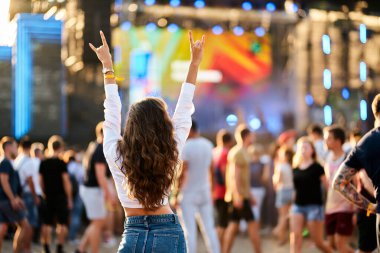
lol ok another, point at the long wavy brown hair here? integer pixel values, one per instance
(149, 152)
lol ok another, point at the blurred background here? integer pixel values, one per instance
(275, 64)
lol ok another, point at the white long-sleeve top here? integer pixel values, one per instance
(112, 134)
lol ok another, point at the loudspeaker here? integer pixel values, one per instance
(97, 17)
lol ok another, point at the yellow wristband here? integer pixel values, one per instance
(110, 76)
(369, 209)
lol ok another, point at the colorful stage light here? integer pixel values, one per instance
(255, 123)
(199, 4)
(327, 83)
(363, 71)
(217, 30)
(327, 110)
(271, 7)
(150, 2)
(346, 93)
(363, 33)
(363, 110)
(326, 44)
(150, 27)
(260, 31)
(125, 26)
(173, 28)
(232, 120)
(309, 99)
(175, 3)
(238, 30)
(247, 6)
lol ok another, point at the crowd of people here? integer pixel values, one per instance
(42, 188)
(223, 190)
(234, 178)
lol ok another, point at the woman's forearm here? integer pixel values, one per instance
(192, 73)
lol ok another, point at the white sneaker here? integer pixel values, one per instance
(110, 243)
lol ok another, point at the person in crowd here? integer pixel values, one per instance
(111, 207)
(315, 133)
(269, 217)
(224, 142)
(366, 222)
(76, 174)
(288, 139)
(238, 193)
(95, 194)
(308, 177)
(364, 156)
(283, 183)
(195, 191)
(12, 208)
(144, 161)
(259, 176)
(339, 211)
(30, 192)
(57, 195)
(354, 138)
(37, 154)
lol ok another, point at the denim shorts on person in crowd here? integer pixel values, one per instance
(309, 212)
(153, 234)
(31, 209)
(284, 197)
(8, 214)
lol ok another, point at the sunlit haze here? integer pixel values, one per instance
(4, 23)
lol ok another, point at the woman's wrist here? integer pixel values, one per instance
(107, 64)
(194, 64)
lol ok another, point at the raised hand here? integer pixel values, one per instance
(196, 49)
(103, 52)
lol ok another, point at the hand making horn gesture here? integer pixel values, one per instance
(196, 49)
(103, 52)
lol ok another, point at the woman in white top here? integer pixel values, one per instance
(283, 184)
(143, 161)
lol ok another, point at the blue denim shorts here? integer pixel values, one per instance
(153, 234)
(309, 212)
(284, 197)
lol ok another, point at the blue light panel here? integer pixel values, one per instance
(363, 110)
(327, 79)
(363, 71)
(328, 115)
(326, 44)
(29, 27)
(363, 33)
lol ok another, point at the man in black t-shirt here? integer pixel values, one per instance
(12, 208)
(365, 155)
(56, 187)
(95, 193)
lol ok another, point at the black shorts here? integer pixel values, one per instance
(8, 215)
(245, 213)
(339, 223)
(54, 212)
(221, 213)
(367, 231)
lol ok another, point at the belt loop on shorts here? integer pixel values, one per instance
(175, 219)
